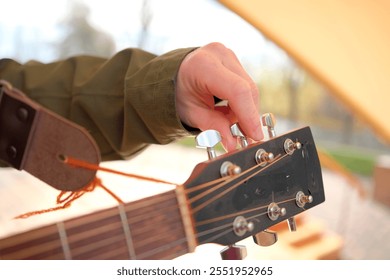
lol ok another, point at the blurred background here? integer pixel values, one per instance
(347, 226)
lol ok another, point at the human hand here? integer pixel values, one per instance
(214, 70)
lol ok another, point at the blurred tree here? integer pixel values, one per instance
(81, 37)
(146, 19)
(341, 118)
(295, 77)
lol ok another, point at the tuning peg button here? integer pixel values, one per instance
(208, 139)
(265, 238)
(236, 132)
(268, 120)
(234, 252)
(274, 211)
(292, 225)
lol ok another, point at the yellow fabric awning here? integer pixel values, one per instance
(344, 44)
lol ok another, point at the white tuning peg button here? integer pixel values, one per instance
(268, 120)
(236, 132)
(208, 139)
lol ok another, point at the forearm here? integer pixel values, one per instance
(126, 102)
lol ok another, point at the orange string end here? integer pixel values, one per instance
(83, 164)
(66, 201)
(66, 198)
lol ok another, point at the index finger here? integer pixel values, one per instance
(232, 87)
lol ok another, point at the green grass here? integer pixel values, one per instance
(355, 160)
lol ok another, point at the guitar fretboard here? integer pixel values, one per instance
(150, 228)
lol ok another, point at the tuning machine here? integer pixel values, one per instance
(301, 199)
(234, 252)
(208, 139)
(263, 157)
(237, 252)
(236, 132)
(265, 238)
(268, 121)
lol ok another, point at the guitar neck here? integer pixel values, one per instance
(155, 227)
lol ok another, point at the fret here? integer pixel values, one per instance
(95, 235)
(166, 221)
(64, 241)
(127, 232)
(154, 223)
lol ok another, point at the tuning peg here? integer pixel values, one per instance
(274, 211)
(263, 158)
(301, 199)
(292, 225)
(268, 120)
(236, 132)
(207, 140)
(265, 238)
(234, 252)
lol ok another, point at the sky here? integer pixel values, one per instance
(175, 24)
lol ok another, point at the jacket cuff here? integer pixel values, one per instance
(153, 96)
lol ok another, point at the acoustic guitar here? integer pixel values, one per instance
(226, 199)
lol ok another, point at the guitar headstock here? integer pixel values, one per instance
(242, 193)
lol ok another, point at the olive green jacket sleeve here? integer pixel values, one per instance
(125, 102)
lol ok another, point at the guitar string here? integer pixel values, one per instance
(234, 215)
(213, 220)
(277, 159)
(156, 250)
(65, 198)
(215, 237)
(228, 225)
(225, 180)
(205, 185)
(209, 201)
(200, 234)
(216, 229)
(89, 166)
(212, 230)
(83, 164)
(184, 240)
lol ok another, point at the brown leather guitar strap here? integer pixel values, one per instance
(36, 140)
